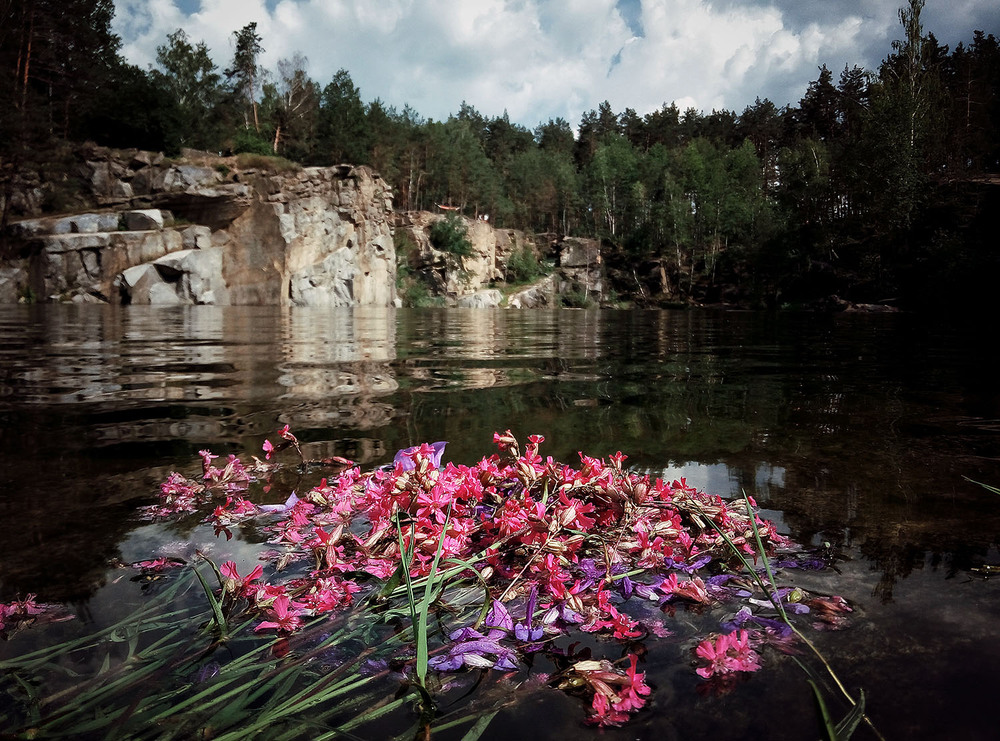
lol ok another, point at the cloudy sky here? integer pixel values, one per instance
(541, 59)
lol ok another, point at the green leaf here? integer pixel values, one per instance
(846, 727)
(219, 618)
(831, 730)
(479, 727)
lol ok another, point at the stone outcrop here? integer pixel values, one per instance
(246, 230)
(581, 269)
(541, 295)
(457, 277)
(489, 298)
(578, 278)
(205, 231)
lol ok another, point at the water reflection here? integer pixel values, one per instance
(856, 430)
(853, 431)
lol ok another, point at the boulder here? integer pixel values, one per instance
(487, 299)
(184, 277)
(182, 177)
(196, 274)
(196, 237)
(146, 219)
(90, 223)
(537, 296)
(144, 285)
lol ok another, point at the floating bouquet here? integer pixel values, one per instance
(428, 570)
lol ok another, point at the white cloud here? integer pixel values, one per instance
(540, 58)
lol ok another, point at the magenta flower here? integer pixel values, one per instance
(633, 694)
(286, 616)
(727, 653)
(208, 471)
(236, 584)
(157, 564)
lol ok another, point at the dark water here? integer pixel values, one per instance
(851, 430)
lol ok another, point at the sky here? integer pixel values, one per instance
(544, 59)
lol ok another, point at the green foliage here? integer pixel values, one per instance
(343, 131)
(523, 266)
(244, 75)
(193, 86)
(459, 170)
(290, 108)
(248, 141)
(576, 298)
(451, 235)
(414, 292)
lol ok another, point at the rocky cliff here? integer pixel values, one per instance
(575, 270)
(213, 230)
(262, 231)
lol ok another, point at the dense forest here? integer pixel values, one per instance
(880, 185)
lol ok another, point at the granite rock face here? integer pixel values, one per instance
(304, 236)
(457, 277)
(215, 230)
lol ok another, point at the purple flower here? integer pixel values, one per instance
(499, 617)
(647, 592)
(524, 631)
(590, 569)
(465, 634)
(745, 616)
(562, 611)
(527, 634)
(626, 586)
(686, 568)
(476, 654)
(280, 508)
(405, 457)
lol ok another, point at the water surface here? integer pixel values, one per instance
(851, 430)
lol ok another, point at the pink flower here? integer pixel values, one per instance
(727, 653)
(286, 616)
(237, 584)
(268, 449)
(635, 691)
(158, 564)
(603, 712)
(208, 471)
(742, 658)
(617, 459)
(692, 589)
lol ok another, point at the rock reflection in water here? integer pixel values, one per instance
(855, 429)
(99, 403)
